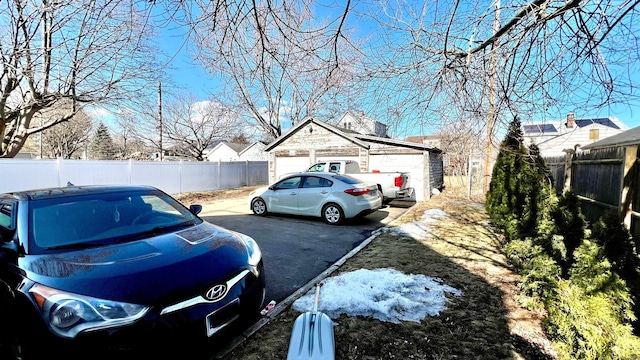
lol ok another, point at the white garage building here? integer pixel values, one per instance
(312, 140)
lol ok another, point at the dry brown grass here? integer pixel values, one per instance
(203, 197)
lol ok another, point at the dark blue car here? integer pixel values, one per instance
(119, 263)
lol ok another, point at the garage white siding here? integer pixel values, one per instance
(291, 164)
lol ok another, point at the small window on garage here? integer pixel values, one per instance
(594, 134)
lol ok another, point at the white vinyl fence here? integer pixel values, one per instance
(172, 177)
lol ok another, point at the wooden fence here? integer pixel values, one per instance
(602, 179)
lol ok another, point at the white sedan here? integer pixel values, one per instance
(330, 196)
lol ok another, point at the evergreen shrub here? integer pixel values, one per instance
(583, 285)
(587, 326)
(619, 249)
(505, 200)
(570, 225)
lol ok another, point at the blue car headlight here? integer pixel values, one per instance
(68, 314)
(253, 250)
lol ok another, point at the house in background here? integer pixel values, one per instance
(553, 137)
(228, 151)
(360, 124)
(254, 152)
(433, 141)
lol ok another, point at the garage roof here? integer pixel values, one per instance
(359, 139)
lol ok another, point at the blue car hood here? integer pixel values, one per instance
(153, 271)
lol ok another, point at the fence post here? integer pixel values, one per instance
(567, 169)
(219, 173)
(246, 169)
(180, 174)
(629, 183)
(130, 170)
(59, 169)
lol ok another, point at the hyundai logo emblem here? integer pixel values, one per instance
(216, 293)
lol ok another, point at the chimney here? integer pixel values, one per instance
(571, 120)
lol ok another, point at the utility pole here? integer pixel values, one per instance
(491, 113)
(160, 116)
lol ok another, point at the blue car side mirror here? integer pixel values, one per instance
(195, 209)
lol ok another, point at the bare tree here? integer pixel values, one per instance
(491, 60)
(67, 54)
(281, 61)
(194, 125)
(549, 54)
(69, 139)
(140, 125)
(240, 139)
(488, 59)
(128, 144)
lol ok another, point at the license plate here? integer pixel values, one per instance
(222, 317)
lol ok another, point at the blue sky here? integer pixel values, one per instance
(190, 77)
(184, 71)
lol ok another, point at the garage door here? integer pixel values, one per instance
(411, 163)
(285, 165)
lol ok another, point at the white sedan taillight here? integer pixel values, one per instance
(357, 192)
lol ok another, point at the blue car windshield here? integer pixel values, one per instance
(103, 218)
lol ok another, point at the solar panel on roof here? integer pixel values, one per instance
(531, 129)
(548, 128)
(606, 122)
(602, 121)
(539, 129)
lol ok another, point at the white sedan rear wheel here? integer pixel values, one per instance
(332, 214)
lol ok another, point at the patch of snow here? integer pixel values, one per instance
(384, 294)
(419, 229)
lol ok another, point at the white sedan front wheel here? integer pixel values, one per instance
(332, 214)
(259, 207)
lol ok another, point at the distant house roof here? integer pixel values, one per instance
(420, 139)
(629, 137)
(214, 144)
(363, 124)
(249, 146)
(237, 147)
(233, 146)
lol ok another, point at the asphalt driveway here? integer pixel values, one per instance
(295, 249)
